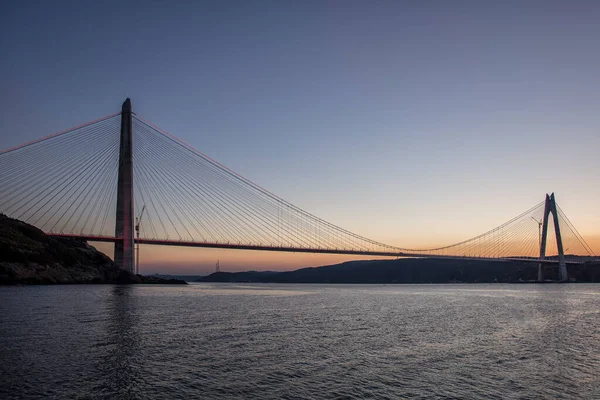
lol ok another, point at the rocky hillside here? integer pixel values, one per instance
(28, 256)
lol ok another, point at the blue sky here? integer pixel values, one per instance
(406, 121)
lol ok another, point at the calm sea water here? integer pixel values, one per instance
(300, 341)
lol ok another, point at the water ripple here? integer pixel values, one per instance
(220, 341)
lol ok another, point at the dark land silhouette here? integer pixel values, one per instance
(29, 256)
(413, 270)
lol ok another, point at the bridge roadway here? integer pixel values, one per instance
(234, 246)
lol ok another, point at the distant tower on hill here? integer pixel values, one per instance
(217, 269)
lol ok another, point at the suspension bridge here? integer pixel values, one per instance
(87, 182)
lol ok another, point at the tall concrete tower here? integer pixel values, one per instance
(124, 249)
(550, 208)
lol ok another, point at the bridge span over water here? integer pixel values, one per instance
(87, 182)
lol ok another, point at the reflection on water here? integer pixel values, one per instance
(247, 290)
(300, 341)
(121, 364)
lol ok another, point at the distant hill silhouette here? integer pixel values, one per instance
(412, 270)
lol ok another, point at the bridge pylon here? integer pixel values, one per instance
(124, 246)
(550, 208)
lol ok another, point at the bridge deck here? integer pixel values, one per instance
(234, 246)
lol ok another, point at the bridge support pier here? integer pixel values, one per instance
(124, 248)
(550, 208)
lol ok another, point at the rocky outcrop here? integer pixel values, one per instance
(28, 256)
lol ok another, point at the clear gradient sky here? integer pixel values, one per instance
(410, 122)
